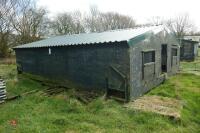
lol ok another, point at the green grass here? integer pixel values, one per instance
(185, 87)
(192, 65)
(36, 113)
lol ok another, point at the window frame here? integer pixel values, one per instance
(153, 56)
(148, 63)
(176, 51)
(174, 55)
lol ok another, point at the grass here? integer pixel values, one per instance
(193, 66)
(36, 113)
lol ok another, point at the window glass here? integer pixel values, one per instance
(174, 52)
(149, 57)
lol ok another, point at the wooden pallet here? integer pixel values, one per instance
(3, 96)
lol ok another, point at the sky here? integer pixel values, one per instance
(141, 10)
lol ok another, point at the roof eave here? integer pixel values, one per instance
(138, 38)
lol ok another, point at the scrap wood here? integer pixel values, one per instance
(20, 95)
(52, 91)
(29, 92)
(2, 101)
(56, 88)
(85, 96)
(82, 99)
(49, 83)
(13, 97)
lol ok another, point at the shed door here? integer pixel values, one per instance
(174, 59)
(182, 51)
(164, 57)
(116, 83)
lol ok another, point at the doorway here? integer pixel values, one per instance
(116, 84)
(164, 57)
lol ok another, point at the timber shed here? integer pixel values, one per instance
(192, 37)
(124, 63)
(188, 50)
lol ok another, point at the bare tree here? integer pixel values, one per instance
(180, 25)
(68, 23)
(112, 21)
(93, 20)
(98, 21)
(28, 21)
(62, 24)
(157, 20)
(6, 13)
(77, 22)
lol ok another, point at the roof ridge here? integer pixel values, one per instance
(136, 27)
(90, 38)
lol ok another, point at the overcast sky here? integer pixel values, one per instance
(141, 10)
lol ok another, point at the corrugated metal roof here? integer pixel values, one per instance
(187, 40)
(92, 38)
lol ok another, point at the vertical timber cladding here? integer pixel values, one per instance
(87, 66)
(145, 75)
(174, 59)
(189, 50)
(117, 66)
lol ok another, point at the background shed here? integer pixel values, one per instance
(188, 50)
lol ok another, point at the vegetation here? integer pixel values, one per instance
(191, 67)
(180, 25)
(22, 21)
(62, 113)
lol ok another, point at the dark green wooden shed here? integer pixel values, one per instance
(124, 63)
(188, 50)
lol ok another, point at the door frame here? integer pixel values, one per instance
(166, 60)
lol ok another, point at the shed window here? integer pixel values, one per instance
(148, 63)
(149, 57)
(174, 52)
